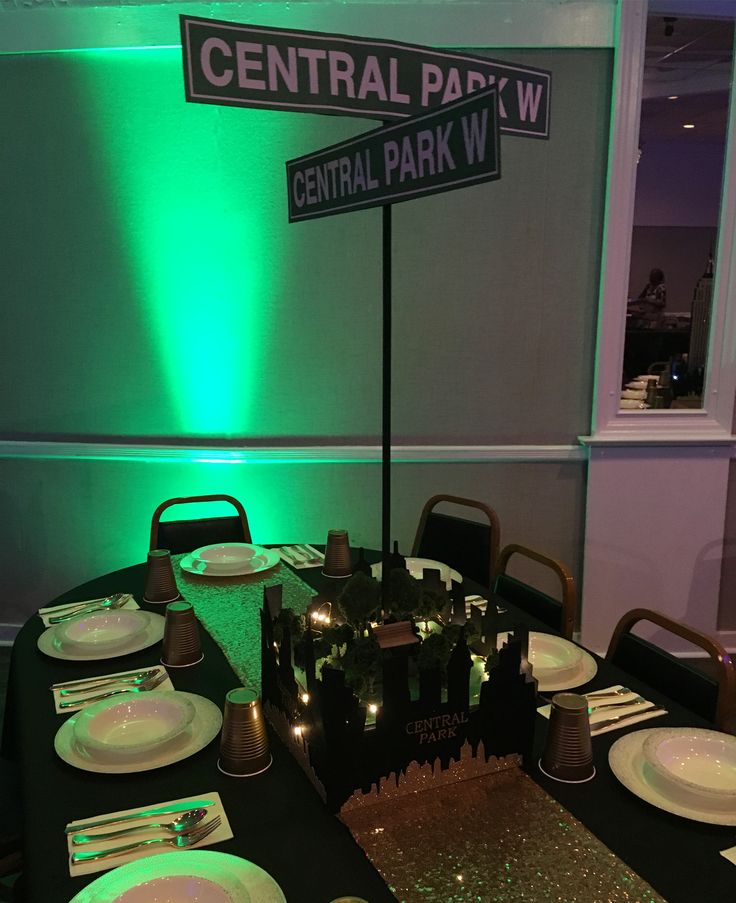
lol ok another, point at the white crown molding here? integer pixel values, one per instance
(50, 25)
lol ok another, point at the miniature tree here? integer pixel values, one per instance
(361, 664)
(338, 635)
(404, 592)
(359, 599)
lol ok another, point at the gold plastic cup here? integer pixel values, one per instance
(181, 646)
(160, 581)
(337, 555)
(244, 749)
(568, 752)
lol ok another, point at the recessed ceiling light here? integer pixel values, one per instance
(688, 125)
(673, 97)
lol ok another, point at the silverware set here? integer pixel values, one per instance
(75, 687)
(623, 718)
(186, 838)
(301, 554)
(142, 686)
(117, 600)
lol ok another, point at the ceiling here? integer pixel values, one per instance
(694, 63)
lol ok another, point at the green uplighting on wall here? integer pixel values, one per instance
(192, 190)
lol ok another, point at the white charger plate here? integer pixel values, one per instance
(415, 567)
(50, 644)
(204, 727)
(628, 763)
(232, 560)
(548, 681)
(258, 886)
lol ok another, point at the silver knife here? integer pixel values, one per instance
(622, 719)
(146, 813)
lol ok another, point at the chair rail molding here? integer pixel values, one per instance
(289, 454)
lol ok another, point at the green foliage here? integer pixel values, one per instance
(434, 652)
(403, 592)
(431, 602)
(359, 599)
(338, 634)
(361, 663)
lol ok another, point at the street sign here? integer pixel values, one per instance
(314, 72)
(454, 146)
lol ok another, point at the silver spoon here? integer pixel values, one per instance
(183, 823)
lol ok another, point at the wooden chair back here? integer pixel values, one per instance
(470, 547)
(186, 535)
(558, 614)
(710, 697)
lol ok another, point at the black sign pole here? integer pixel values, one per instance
(386, 456)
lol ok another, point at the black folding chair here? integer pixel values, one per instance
(558, 614)
(470, 547)
(710, 697)
(186, 535)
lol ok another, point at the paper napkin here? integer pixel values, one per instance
(638, 712)
(52, 610)
(729, 854)
(85, 693)
(294, 556)
(224, 832)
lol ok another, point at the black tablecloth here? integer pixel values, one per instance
(278, 820)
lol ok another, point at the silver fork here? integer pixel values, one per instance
(310, 554)
(150, 684)
(190, 839)
(115, 601)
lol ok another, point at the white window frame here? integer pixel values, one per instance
(713, 423)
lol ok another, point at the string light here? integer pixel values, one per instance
(373, 708)
(298, 730)
(305, 698)
(323, 613)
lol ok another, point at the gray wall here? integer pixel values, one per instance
(154, 292)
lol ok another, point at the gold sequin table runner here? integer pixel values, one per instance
(229, 608)
(494, 839)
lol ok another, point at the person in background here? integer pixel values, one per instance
(652, 299)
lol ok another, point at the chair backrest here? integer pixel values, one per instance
(470, 547)
(711, 698)
(558, 614)
(186, 535)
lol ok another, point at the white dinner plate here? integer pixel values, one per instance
(557, 648)
(50, 644)
(415, 567)
(102, 631)
(628, 763)
(230, 560)
(204, 727)
(250, 882)
(632, 404)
